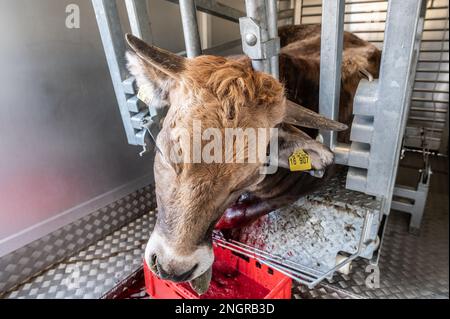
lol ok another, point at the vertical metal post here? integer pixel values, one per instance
(384, 103)
(190, 28)
(139, 19)
(272, 25)
(443, 148)
(256, 10)
(330, 63)
(114, 44)
(205, 30)
(298, 4)
(394, 92)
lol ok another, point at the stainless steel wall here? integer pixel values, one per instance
(62, 142)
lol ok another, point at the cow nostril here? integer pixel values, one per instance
(175, 278)
(153, 262)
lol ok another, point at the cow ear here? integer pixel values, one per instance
(298, 115)
(291, 139)
(164, 61)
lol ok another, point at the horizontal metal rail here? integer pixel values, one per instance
(431, 110)
(424, 119)
(217, 9)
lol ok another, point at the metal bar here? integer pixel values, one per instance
(424, 109)
(218, 49)
(217, 9)
(300, 273)
(330, 66)
(205, 30)
(222, 47)
(317, 5)
(424, 119)
(433, 61)
(398, 63)
(431, 71)
(425, 152)
(425, 30)
(431, 81)
(342, 153)
(113, 41)
(272, 26)
(424, 100)
(275, 261)
(256, 10)
(190, 28)
(298, 10)
(443, 148)
(348, 13)
(285, 14)
(430, 90)
(139, 19)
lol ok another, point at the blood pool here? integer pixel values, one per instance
(228, 283)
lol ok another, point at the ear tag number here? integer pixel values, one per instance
(145, 94)
(300, 161)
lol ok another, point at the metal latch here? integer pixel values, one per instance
(253, 45)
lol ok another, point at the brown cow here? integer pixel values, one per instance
(220, 93)
(300, 72)
(300, 68)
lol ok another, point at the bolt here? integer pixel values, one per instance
(251, 39)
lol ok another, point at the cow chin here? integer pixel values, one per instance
(201, 284)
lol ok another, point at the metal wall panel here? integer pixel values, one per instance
(61, 137)
(429, 105)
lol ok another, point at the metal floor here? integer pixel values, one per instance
(95, 270)
(410, 266)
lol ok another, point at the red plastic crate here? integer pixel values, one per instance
(278, 285)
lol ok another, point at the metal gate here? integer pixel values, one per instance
(427, 126)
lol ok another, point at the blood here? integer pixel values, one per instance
(243, 213)
(228, 283)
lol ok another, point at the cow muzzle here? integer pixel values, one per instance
(167, 263)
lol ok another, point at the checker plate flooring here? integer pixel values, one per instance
(410, 266)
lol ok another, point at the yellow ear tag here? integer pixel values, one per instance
(145, 94)
(300, 161)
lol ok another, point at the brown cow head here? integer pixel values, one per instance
(203, 93)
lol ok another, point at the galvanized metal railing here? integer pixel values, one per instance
(305, 275)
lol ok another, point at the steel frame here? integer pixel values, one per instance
(380, 107)
(416, 199)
